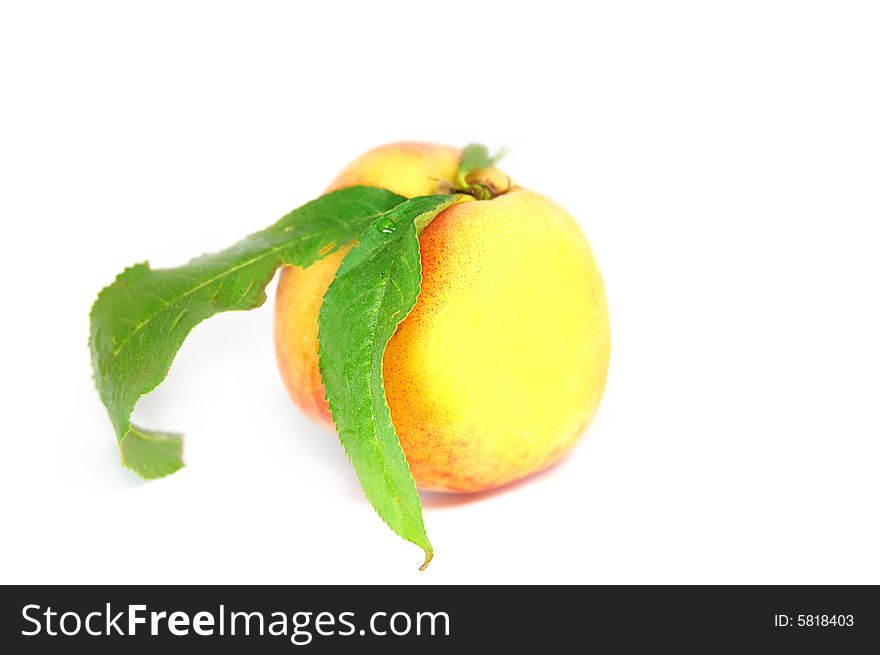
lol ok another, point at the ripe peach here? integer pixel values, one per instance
(502, 362)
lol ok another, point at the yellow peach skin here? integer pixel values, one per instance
(502, 362)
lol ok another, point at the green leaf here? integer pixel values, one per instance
(139, 322)
(374, 290)
(474, 157)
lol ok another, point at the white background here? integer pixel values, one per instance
(723, 159)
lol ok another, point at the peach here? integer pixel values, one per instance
(502, 362)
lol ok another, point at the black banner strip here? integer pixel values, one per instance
(337, 619)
